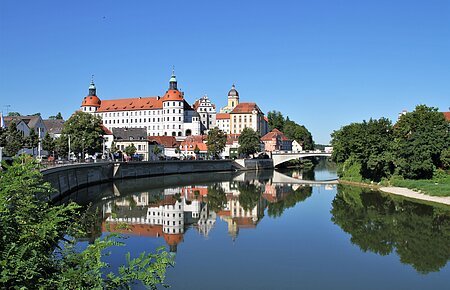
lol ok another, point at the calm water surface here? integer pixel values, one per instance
(268, 231)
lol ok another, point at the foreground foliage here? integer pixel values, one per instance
(31, 251)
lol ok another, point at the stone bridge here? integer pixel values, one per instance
(279, 158)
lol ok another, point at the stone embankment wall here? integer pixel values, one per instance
(254, 164)
(71, 177)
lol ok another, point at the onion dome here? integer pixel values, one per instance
(233, 92)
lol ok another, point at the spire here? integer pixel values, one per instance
(92, 89)
(173, 80)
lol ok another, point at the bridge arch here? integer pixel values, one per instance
(279, 158)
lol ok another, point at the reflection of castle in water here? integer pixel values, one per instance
(168, 213)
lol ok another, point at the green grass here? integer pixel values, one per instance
(437, 187)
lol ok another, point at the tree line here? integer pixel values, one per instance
(415, 147)
(291, 129)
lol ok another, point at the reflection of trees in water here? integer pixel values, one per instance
(249, 195)
(217, 198)
(276, 209)
(419, 233)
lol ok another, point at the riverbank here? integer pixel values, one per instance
(401, 191)
(406, 192)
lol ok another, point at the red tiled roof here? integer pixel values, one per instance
(145, 103)
(244, 108)
(91, 101)
(266, 119)
(106, 130)
(231, 138)
(166, 141)
(196, 105)
(191, 146)
(173, 95)
(245, 222)
(222, 116)
(145, 230)
(446, 115)
(173, 239)
(275, 133)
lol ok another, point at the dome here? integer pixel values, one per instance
(173, 95)
(91, 101)
(233, 92)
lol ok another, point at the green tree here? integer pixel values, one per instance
(48, 144)
(276, 120)
(216, 142)
(130, 150)
(56, 117)
(13, 114)
(419, 139)
(85, 134)
(113, 148)
(12, 140)
(32, 255)
(217, 198)
(196, 150)
(249, 142)
(365, 147)
(445, 158)
(298, 133)
(249, 195)
(156, 150)
(32, 140)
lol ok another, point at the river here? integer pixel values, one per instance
(256, 231)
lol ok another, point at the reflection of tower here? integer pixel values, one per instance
(173, 221)
(207, 221)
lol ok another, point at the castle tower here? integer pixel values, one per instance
(91, 102)
(173, 109)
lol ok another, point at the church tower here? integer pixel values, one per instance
(233, 98)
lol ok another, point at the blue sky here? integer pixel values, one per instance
(324, 63)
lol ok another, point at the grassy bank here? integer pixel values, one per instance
(436, 187)
(439, 186)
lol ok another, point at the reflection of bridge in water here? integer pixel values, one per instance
(285, 179)
(279, 158)
(279, 178)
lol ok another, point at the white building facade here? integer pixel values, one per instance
(169, 115)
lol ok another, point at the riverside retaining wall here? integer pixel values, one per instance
(72, 177)
(69, 178)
